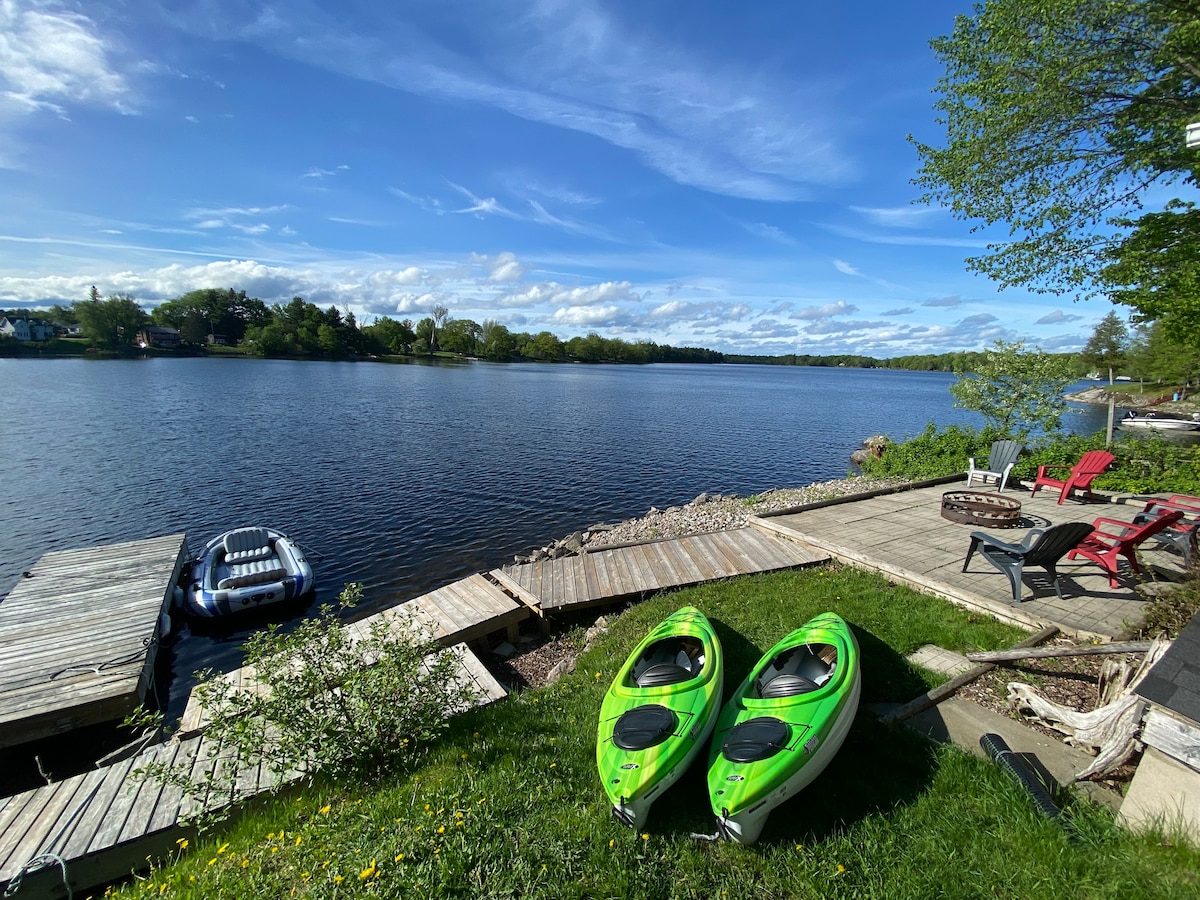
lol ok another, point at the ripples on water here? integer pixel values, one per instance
(407, 477)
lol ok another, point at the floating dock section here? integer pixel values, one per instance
(79, 634)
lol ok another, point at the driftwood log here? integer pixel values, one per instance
(1110, 730)
(941, 692)
(1047, 652)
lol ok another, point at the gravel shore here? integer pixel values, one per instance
(708, 512)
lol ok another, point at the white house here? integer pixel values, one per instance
(26, 329)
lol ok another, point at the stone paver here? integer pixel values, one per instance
(939, 659)
(904, 537)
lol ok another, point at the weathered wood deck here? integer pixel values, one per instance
(601, 576)
(79, 635)
(104, 823)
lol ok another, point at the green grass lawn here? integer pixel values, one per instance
(508, 802)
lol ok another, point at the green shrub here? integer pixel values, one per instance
(340, 700)
(932, 453)
(1143, 465)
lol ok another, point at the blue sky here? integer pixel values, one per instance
(732, 175)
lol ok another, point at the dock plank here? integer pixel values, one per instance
(615, 573)
(80, 634)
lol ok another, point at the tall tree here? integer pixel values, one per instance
(1060, 115)
(437, 317)
(111, 323)
(1106, 347)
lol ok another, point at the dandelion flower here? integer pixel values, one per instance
(326, 808)
(182, 842)
(298, 840)
(645, 836)
(399, 856)
(222, 848)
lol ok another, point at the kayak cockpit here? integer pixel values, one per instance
(797, 670)
(666, 662)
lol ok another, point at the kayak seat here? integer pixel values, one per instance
(786, 686)
(662, 674)
(644, 726)
(755, 739)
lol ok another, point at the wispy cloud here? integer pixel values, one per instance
(770, 232)
(897, 217)
(319, 173)
(1056, 317)
(578, 67)
(480, 206)
(944, 302)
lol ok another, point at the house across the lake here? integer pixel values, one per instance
(158, 336)
(25, 329)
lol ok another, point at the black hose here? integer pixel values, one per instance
(1016, 767)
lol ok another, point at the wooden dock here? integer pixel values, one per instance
(104, 823)
(79, 635)
(603, 576)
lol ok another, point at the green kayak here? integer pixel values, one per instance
(783, 725)
(658, 713)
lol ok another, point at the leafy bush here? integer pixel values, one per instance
(1143, 465)
(1170, 613)
(932, 453)
(340, 700)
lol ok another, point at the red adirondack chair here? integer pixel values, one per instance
(1083, 472)
(1106, 546)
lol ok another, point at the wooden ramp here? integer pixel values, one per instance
(79, 634)
(466, 610)
(104, 823)
(601, 576)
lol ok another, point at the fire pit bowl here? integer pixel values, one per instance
(978, 508)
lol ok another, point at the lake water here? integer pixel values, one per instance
(407, 477)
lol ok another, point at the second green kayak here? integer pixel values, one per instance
(783, 725)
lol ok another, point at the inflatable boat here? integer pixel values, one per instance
(245, 569)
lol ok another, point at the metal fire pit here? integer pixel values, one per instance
(977, 508)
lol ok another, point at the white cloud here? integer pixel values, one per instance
(51, 58)
(845, 268)
(553, 293)
(818, 313)
(944, 302)
(589, 316)
(501, 268)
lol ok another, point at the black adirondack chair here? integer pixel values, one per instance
(1039, 547)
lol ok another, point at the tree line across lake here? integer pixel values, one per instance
(227, 317)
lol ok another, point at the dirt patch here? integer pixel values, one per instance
(1071, 681)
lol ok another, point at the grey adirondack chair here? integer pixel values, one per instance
(1038, 548)
(1000, 461)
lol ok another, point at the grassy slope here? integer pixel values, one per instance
(508, 803)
